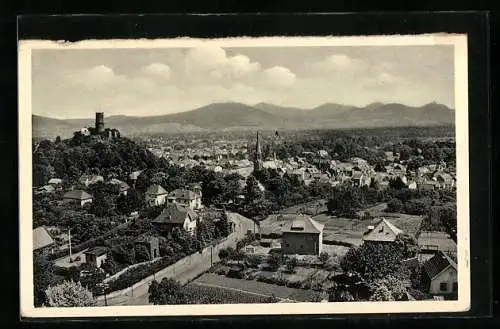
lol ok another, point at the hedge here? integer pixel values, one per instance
(139, 273)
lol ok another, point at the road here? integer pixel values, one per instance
(187, 271)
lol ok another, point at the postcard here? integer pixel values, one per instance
(244, 176)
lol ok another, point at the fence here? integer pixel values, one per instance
(184, 270)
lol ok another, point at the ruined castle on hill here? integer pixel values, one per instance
(99, 131)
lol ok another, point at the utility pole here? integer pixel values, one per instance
(69, 242)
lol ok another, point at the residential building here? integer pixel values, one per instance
(46, 189)
(42, 240)
(134, 175)
(433, 241)
(441, 275)
(186, 198)
(88, 180)
(302, 235)
(122, 186)
(151, 243)
(176, 215)
(55, 181)
(96, 256)
(79, 197)
(156, 195)
(384, 231)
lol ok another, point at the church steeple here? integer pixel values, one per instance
(257, 165)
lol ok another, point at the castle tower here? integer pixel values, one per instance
(99, 122)
(257, 164)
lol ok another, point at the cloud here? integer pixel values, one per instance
(384, 80)
(213, 61)
(95, 77)
(157, 70)
(280, 76)
(339, 62)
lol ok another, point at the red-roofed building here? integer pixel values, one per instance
(303, 236)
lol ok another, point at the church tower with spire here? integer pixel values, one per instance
(257, 162)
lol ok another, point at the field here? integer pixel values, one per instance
(347, 231)
(227, 295)
(254, 287)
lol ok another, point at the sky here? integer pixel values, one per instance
(75, 83)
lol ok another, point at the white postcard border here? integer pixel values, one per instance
(25, 186)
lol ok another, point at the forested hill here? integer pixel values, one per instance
(69, 159)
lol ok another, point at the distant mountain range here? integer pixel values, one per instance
(264, 116)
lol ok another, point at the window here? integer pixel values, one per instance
(455, 286)
(443, 286)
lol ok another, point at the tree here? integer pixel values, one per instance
(373, 261)
(291, 264)
(43, 277)
(389, 288)
(381, 293)
(324, 256)
(141, 253)
(252, 191)
(394, 205)
(397, 183)
(69, 294)
(168, 292)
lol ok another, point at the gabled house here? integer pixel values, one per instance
(55, 182)
(176, 215)
(134, 175)
(302, 235)
(79, 197)
(441, 275)
(88, 180)
(383, 232)
(122, 186)
(42, 241)
(186, 198)
(156, 195)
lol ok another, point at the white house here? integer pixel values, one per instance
(185, 197)
(383, 231)
(441, 274)
(91, 179)
(79, 197)
(96, 256)
(156, 195)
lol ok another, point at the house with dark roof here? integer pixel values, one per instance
(441, 275)
(42, 241)
(185, 197)
(176, 215)
(156, 195)
(302, 235)
(79, 197)
(382, 232)
(96, 256)
(122, 186)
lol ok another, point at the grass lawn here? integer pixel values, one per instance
(257, 287)
(348, 230)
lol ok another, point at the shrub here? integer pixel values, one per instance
(324, 256)
(69, 294)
